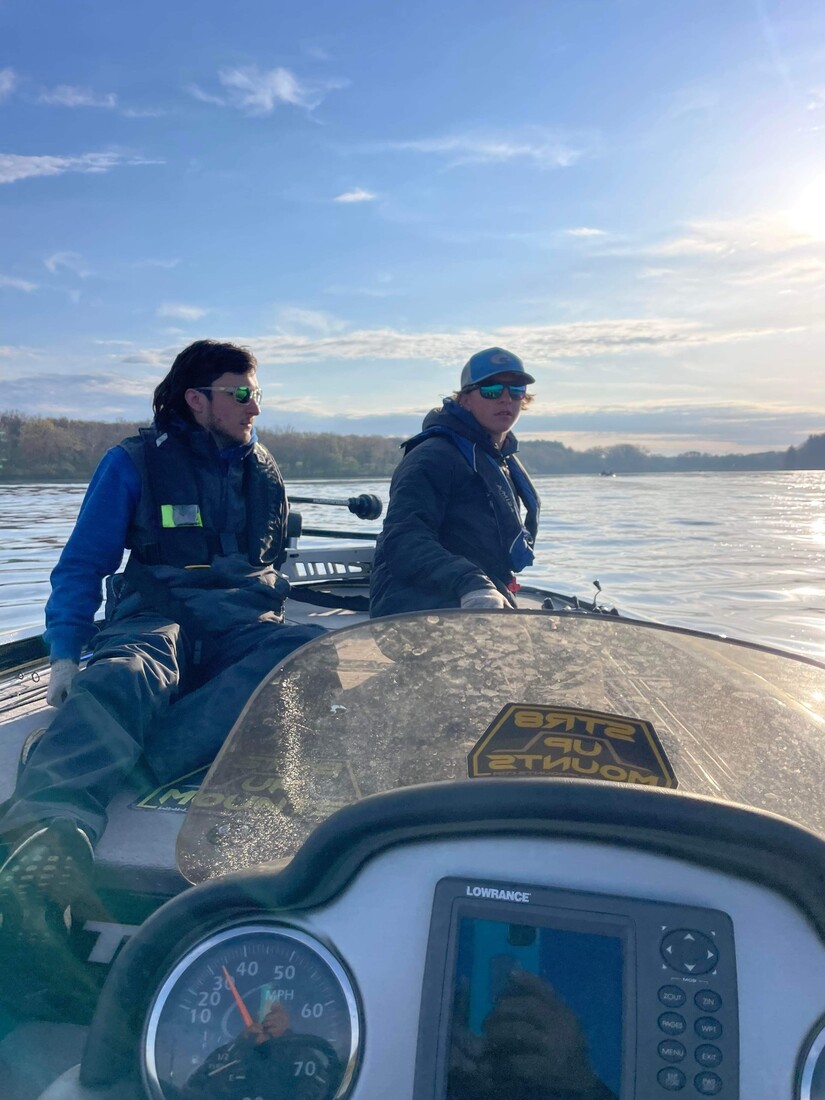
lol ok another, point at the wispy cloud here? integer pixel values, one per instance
(166, 265)
(314, 336)
(358, 194)
(17, 284)
(14, 167)
(142, 112)
(146, 358)
(121, 395)
(691, 246)
(259, 91)
(345, 290)
(656, 273)
(127, 351)
(584, 231)
(181, 312)
(309, 320)
(8, 82)
(543, 148)
(19, 351)
(539, 343)
(816, 102)
(202, 96)
(757, 233)
(67, 261)
(790, 274)
(741, 264)
(66, 95)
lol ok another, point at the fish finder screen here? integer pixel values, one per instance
(536, 1014)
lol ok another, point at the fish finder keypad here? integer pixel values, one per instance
(696, 1051)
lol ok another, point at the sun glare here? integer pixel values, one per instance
(808, 214)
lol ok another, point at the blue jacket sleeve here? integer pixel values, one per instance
(94, 550)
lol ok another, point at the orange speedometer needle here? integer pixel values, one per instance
(221, 1068)
(244, 1011)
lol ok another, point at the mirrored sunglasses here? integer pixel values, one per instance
(496, 389)
(242, 394)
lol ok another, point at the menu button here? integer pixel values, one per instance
(671, 1050)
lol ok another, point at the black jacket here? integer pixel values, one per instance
(445, 533)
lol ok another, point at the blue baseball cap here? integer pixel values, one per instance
(491, 361)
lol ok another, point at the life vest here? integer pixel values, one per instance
(194, 506)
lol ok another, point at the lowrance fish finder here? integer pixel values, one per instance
(537, 994)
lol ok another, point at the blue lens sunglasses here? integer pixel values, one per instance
(494, 391)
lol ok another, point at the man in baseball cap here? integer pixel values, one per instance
(463, 513)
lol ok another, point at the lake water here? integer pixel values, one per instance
(739, 554)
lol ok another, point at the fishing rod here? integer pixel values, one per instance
(364, 506)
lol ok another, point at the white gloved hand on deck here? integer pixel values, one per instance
(62, 674)
(487, 599)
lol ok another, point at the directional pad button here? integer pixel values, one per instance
(689, 951)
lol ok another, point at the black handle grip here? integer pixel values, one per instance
(366, 506)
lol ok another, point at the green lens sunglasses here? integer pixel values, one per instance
(242, 394)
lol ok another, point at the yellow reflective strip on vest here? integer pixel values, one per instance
(180, 515)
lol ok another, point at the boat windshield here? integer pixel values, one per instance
(463, 695)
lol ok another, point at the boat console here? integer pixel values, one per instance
(434, 942)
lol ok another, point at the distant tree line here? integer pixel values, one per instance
(46, 449)
(624, 458)
(58, 449)
(809, 456)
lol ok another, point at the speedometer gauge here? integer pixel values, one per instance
(256, 1011)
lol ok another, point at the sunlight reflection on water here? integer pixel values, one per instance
(740, 554)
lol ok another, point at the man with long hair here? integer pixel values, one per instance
(193, 623)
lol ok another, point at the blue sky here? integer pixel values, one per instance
(630, 194)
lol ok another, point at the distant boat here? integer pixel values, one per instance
(607, 473)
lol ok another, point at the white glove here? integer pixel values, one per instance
(63, 672)
(487, 599)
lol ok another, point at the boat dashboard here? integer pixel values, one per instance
(456, 941)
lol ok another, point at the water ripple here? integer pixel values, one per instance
(735, 553)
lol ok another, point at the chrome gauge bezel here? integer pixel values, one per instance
(813, 1050)
(225, 935)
